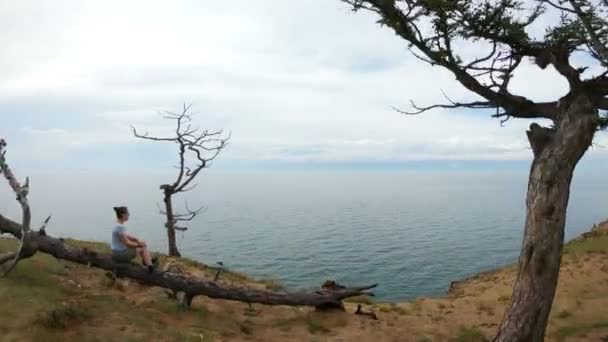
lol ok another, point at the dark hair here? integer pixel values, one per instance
(121, 211)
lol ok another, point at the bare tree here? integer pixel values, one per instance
(437, 32)
(21, 191)
(196, 149)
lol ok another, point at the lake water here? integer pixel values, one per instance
(410, 231)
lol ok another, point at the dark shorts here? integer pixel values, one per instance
(124, 256)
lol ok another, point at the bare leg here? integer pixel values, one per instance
(144, 254)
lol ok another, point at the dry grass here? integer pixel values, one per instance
(49, 300)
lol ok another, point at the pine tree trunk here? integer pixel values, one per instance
(556, 153)
(173, 251)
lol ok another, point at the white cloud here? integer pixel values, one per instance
(50, 131)
(292, 80)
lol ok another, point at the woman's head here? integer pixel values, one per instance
(122, 213)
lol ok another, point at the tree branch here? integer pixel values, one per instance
(5, 257)
(451, 105)
(600, 49)
(406, 28)
(556, 6)
(21, 192)
(190, 214)
(189, 140)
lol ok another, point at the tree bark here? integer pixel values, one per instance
(191, 287)
(170, 224)
(556, 153)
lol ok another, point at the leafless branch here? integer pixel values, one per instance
(452, 104)
(557, 6)
(21, 192)
(5, 257)
(42, 229)
(200, 145)
(147, 136)
(190, 214)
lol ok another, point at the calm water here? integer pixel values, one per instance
(412, 232)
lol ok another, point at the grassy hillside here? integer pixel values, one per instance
(48, 300)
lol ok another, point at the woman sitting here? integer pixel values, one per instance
(126, 247)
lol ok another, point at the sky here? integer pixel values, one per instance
(296, 83)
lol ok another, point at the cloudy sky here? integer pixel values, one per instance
(295, 82)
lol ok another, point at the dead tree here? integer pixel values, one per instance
(196, 149)
(33, 241)
(21, 191)
(438, 31)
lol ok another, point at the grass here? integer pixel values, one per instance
(504, 298)
(64, 316)
(485, 308)
(563, 314)
(599, 244)
(48, 300)
(417, 305)
(271, 284)
(363, 299)
(44, 298)
(469, 334)
(577, 329)
(401, 311)
(385, 309)
(316, 326)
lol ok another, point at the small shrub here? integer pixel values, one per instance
(504, 298)
(401, 310)
(385, 309)
(417, 305)
(563, 314)
(316, 326)
(272, 284)
(425, 339)
(441, 306)
(363, 299)
(467, 334)
(62, 317)
(246, 327)
(483, 307)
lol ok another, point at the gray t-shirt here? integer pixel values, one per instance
(117, 244)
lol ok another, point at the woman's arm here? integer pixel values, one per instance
(128, 241)
(135, 240)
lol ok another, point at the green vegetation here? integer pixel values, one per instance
(271, 284)
(62, 317)
(599, 244)
(563, 314)
(578, 329)
(46, 299)
(504, 298)
(315, 326)
(485, 308)
(468, 334)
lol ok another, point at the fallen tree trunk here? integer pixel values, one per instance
(39, 241)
